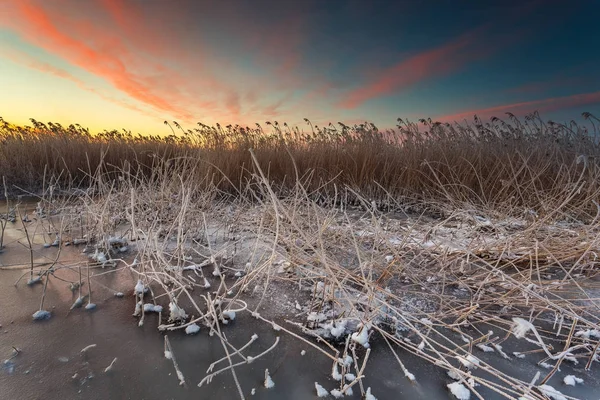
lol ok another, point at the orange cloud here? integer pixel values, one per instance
(543, 106)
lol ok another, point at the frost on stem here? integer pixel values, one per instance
(268, 381)
(362, 336)
(139, 287)
(335, 374)
(521, 327)
(176, 313)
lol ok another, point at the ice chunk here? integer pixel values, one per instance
(192, 329)
(229, 315)
(368, 395)
(362, 336)
(549, 391)
(571, 380)
(41, 315)
(459, 391)
(321, 391)
(268, 381)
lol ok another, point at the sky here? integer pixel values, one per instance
(135, 63)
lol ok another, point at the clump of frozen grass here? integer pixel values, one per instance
(571, 380)
(321, 391)
(369, 395)
(192, 329)
(268, 381)
(459, 391)
(41, 315)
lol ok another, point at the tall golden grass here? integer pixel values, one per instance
(501, 165)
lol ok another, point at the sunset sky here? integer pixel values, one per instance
(133, 64)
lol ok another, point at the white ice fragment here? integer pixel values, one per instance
(86, 348)
(276, 327)
(459, 391)
(238, 274)
(41, 315)
(389, 258)
(268, 381)
(549, 391)
(546, 365)
(253, 391)
(109, 368)
(90, 306)
(518, 355)
(206, 284)
(119, 294)
(298, 306)
(350, 377)
(337, 393)
(192, 329)
(362, 336)
(139, 287)
(168, 355)
(321, 391)
(571, 380)
(303, 352)
(216, 271)
(368, 395)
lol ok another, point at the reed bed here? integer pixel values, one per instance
(444, 241)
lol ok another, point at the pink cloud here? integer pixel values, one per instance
(426, 65)
(543, 106)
